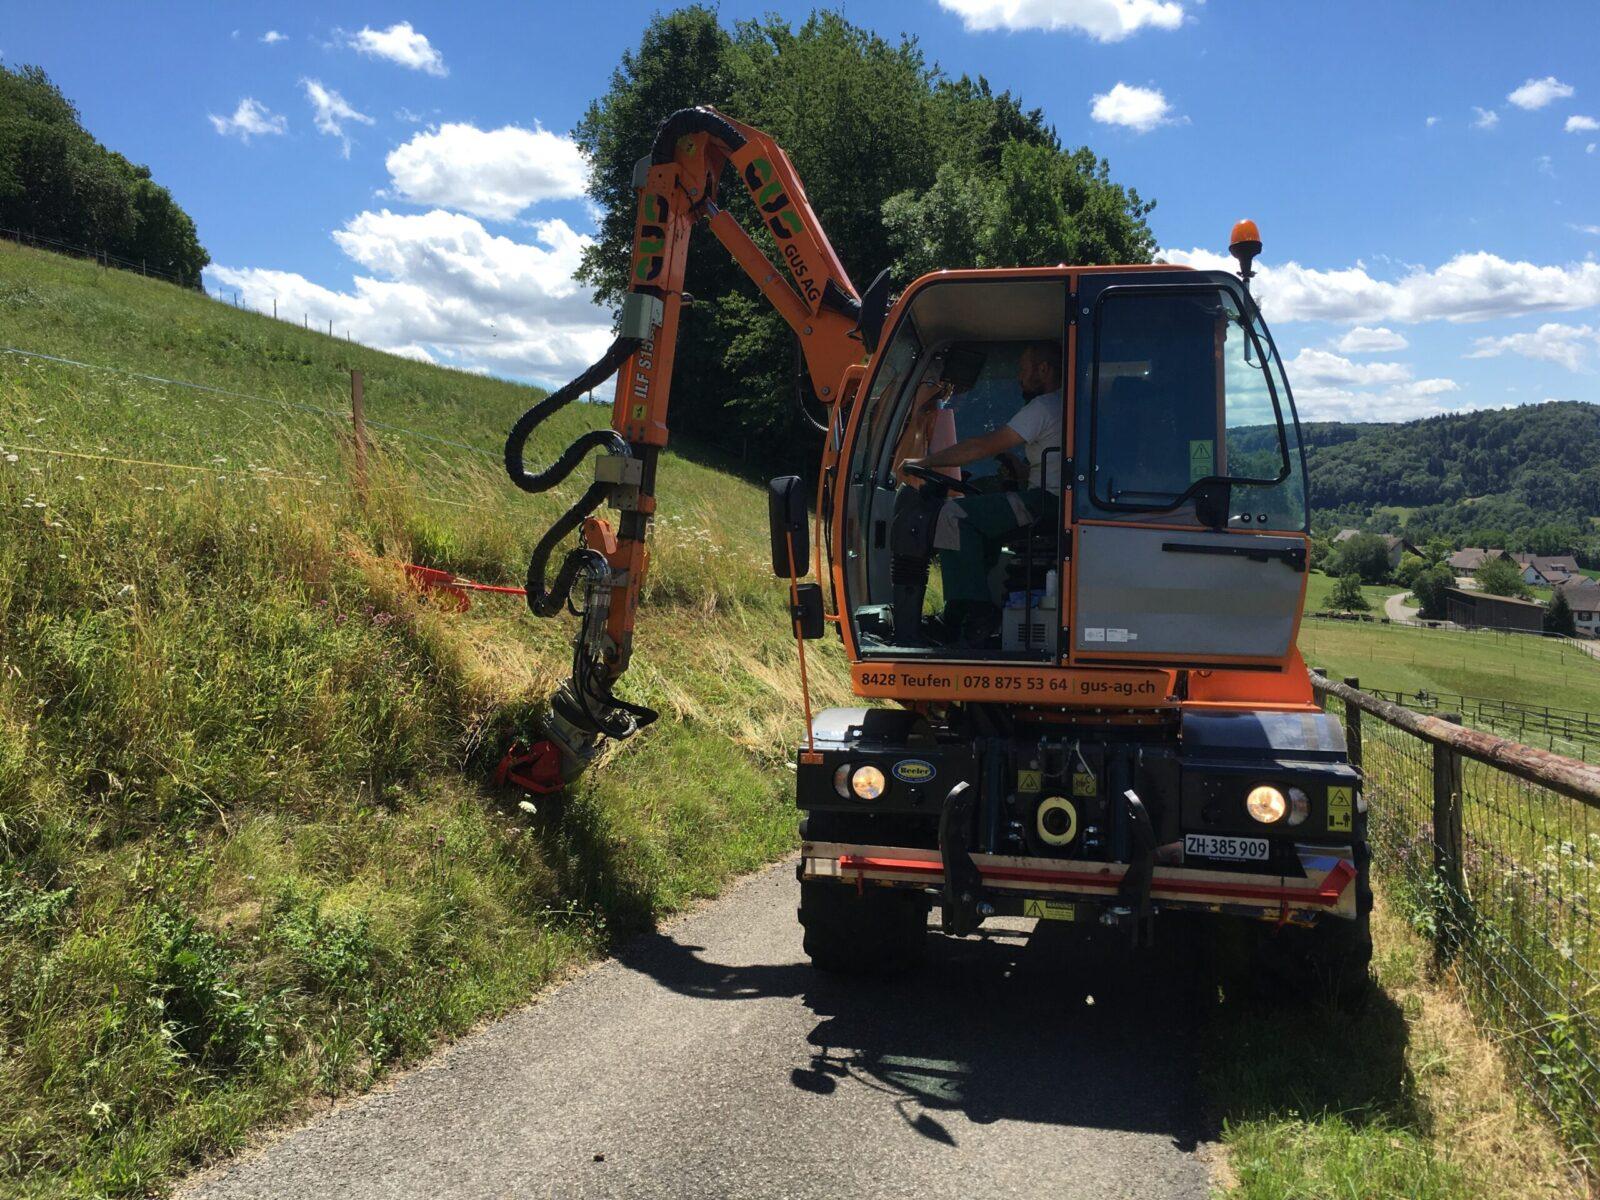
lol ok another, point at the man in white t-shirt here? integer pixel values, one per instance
(971, 527)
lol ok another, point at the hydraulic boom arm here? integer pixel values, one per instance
(677, 187)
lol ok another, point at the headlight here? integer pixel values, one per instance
(1266, 804)
(867, 783)
(841, 780)
(1299, 806)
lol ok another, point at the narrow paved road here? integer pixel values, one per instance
(1394, 607)
(708, 1061)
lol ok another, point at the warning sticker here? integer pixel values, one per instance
(1083, 784)
(639, 411)
(1029, 781)
(1094, 633)
(1050, 910)
(1340, 809)
(1202, 459)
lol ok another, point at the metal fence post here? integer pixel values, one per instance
(1448, 843)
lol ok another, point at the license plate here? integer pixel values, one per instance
(1239, 849)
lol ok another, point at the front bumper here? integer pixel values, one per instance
(1327, 887)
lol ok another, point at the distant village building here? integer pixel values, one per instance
(1583, 597)
(1468, 559)
(1547, 571)
(1493, 612)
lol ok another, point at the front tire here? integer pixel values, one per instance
(867, 931)
(1330, 961)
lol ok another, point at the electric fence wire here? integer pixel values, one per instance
(331, 413)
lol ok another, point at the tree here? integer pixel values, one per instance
(56, 181)
(1558, 617)
(1365, 555)
(1502, 577)
(1347, 595)
(875, 131)
(1430, 588)
(1321, 552)
(1410, 565)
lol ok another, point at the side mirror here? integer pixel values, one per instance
(791, 537)
(874, 311)
(807, 614)
(1212, 502)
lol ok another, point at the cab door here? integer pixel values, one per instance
(1190, 543)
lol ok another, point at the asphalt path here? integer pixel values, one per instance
(708, 1060)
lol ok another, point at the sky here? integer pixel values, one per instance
(1426, 176)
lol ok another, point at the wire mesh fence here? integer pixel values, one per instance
(1493, 849)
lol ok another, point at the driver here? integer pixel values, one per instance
(970, 528)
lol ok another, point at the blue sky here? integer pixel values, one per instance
(1426, 176)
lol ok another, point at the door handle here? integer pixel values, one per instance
(1295, 556)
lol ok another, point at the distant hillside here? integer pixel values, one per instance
(1498, 476)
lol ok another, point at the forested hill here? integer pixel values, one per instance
(1502, 471)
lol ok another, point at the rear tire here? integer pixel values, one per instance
(874, 930)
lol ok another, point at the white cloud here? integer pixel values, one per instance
(1401, 402)
(1546, 165)
(409, 117)
(1594, 229)
(400, 44)
(1136, 108)
(489, 172)
(1581, 124)
(1321, 367)
(1569, 346)
(1487, 118)
(1365, 340)
(1537, 93)
(440, 287)
(1469, 287)
(330, 110)
(1431, 122)
(272, 37)
(1102, 20)
(250, 119)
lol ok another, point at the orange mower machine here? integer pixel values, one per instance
(1061, 513)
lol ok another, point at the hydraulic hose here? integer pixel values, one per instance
(543, 601)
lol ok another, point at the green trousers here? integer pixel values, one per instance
(984, 521)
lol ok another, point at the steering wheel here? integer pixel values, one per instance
(930, 475)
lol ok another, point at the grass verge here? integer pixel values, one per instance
(1407, 1101)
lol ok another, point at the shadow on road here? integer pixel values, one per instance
(1066, 1027)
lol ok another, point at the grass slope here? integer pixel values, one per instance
(1515, 667)
(245, 857)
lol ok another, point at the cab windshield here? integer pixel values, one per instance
(1187, 403)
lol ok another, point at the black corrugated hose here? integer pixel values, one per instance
(542, 601)
(588, 677)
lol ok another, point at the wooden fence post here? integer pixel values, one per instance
(1321, 697)
(358, 429)
(1352, 724)
(1449, 871)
